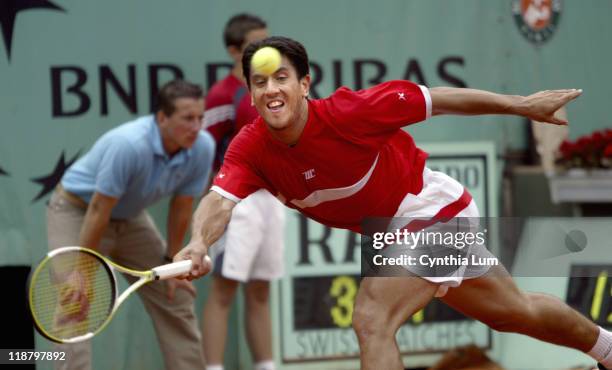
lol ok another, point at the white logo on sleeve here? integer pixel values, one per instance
(221, 175)
(401, 96)
(309, 174)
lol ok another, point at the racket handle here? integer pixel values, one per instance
(172, 270)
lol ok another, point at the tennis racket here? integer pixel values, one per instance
(73, 292)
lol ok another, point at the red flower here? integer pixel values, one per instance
(584, 147)
(607, 153)
(598, 141)
(567, 149)
(588, 150)
(608, 135)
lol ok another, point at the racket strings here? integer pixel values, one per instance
(72, 294)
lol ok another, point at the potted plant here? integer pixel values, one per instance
(586, 170)
(588, 153)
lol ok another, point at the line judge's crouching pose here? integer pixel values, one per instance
(101, 204)
(360, 163)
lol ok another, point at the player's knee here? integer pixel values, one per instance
(223, 293)
(225, 300)
(257, 293)
(258, 300)
(370, 323)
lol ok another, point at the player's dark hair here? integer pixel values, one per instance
(173, 90)
(238, 26)
(293, 50)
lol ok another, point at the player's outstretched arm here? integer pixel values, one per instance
(209, 222)
(540, 106)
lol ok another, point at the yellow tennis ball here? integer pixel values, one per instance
(266, 60)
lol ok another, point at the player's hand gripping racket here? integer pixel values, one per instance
(73, 292)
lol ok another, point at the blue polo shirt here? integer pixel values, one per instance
(129, 163)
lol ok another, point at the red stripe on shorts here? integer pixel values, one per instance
(445, 214)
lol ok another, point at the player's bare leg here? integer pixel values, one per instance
(258, 323)
(495, 300)
(382, 305)
(214, 320)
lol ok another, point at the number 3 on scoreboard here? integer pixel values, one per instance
(344, 289)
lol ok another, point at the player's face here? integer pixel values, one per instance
(180, 129)
(280, 99)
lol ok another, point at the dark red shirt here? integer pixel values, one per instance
(228, 108)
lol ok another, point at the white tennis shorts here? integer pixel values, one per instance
(253, 244)
(440, 191)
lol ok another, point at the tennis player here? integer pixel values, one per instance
(344, 158)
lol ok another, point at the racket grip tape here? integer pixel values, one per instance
(172, 270)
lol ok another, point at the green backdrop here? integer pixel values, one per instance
(72, 69)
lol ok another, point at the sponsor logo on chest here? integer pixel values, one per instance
(310, 174)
